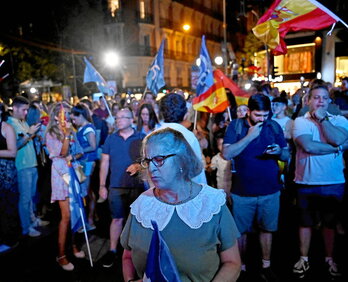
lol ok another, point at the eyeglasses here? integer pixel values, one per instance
(123, 118)
(158, 161)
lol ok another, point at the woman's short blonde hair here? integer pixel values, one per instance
(176, 143)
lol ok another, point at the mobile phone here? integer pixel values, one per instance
(269, 147)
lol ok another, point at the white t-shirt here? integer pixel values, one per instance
(193, 141)
(317, 169)
(223, 173)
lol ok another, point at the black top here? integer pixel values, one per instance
(3, 144)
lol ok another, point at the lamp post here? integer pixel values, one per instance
(225, 35)
(112, 61)
(266, 47)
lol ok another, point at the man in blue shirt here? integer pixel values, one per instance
(256, 143)
(121, 151)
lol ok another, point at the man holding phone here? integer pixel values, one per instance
(256, 143)
(26, 164)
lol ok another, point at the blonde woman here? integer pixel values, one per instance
(59, 136)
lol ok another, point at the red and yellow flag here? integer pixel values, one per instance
(215, 100)
(239, 94)
(291, 15)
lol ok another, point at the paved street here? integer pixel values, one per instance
(34, 259)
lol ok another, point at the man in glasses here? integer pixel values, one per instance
(121, 151)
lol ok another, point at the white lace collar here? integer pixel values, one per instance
(193, 213)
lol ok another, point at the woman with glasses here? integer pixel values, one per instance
(192, 218)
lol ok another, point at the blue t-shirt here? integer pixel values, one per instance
(83, 140)
(256, 173)
(122, 154)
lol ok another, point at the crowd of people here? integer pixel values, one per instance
(207, 182)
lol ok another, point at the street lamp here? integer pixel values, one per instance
(186, 27)
(111, 59)
(218, 60)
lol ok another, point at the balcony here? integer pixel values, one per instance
(201, 8)
(166, 23)
(118, 18)
(144, 18)
(141, 51)
(179, 56)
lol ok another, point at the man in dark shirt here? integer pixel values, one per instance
(121, 151)
(342, 99)
(256, 186)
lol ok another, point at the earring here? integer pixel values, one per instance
(181, 170)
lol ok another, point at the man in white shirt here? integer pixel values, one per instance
(320, 139)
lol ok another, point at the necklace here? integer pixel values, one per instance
(158, 197)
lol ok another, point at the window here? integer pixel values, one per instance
(113, 5)
(142, 9)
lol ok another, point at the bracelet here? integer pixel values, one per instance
(67, 137)
(339, 149)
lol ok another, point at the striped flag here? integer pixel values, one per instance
(215, 100)
(292, 15)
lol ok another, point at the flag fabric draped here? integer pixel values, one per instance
(160, 265)
(215, 100)
(205, 76)
(92, 75)
(155, 75)
(75, 202)
(239, 94)
(291, 15)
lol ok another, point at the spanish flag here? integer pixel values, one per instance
(292, 15)
(215, 100)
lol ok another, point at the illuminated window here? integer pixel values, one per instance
(114, 5)
(142, 9)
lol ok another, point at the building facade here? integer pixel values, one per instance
(136, 28)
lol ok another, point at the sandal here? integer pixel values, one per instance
(80, 254)
(68, 266)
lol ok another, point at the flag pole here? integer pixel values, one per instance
(142, 97)
(195, 121)
(229, 113)
(72, 181)
(86, 238)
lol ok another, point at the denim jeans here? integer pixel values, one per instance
(27, 184)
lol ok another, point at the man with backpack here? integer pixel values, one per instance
(256, 143)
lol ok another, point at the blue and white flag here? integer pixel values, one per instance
(205, 77)
(155, 75)
(92, 75)
(77, 210)
(160, 264)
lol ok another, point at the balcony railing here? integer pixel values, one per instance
(201, 8)
(118, 18)
(144, 18)
(141, 51)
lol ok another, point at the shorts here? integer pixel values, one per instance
(262, 209)
(120, 199)
(319, 204)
